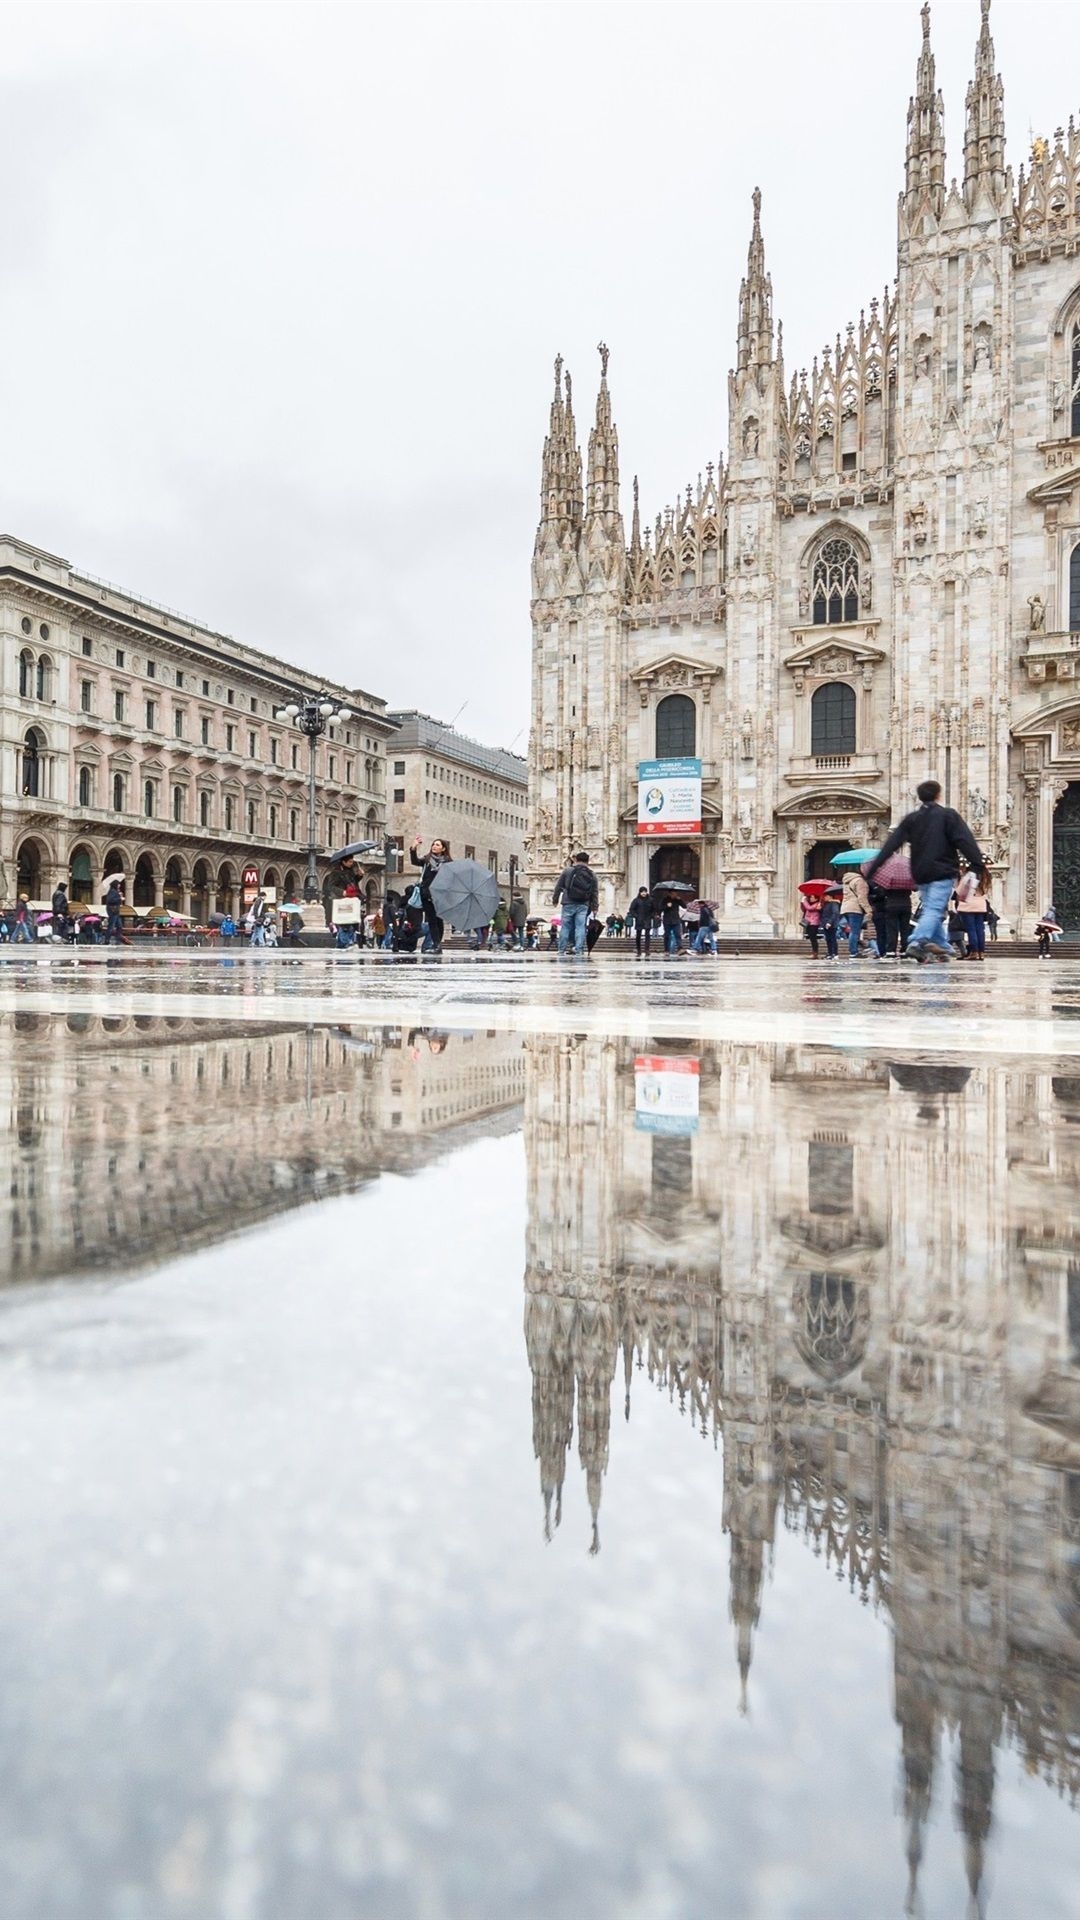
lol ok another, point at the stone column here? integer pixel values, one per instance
(637, 865)
(185, 897)
(159, 889)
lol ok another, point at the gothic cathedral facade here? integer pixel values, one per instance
(880, 584)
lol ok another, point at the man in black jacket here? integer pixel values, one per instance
(937, 836)
(577, 889)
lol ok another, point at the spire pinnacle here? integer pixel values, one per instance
(755, 301)
(984, 129)
(635, 547)
(560, 484)
(924, 174)
(603, 483)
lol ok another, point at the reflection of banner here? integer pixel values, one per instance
(669, 796)
(666, 1094)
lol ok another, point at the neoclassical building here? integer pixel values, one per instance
(879, 584)
(135, 740)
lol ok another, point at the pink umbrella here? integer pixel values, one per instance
(894, 874)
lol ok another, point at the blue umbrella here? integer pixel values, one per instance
(854, 857)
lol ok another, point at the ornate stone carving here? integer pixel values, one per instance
(915, 524)
(747, 735)
(1070, 736)
(977, 735)
(918, 729)
(976, 807)
(1037, 609)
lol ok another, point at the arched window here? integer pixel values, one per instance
(251, 819)
(228, 813)
(1074, 590)
(835, 592)
(44, 677)
(204, 809)
(31, 764)
(86, 786)
(832, 719)
(178, 803)
(118, 792)
(1074, 381)
(676, 727)
(148, 799)
(26, 674)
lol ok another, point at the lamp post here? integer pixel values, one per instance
(312, 713)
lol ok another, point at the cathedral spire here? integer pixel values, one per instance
(755, 302)
(635, 525)
(984, 128)
(560, 485)
(603, 495)
(924, 179)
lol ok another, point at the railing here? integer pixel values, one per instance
(832, 762)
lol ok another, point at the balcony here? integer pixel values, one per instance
(1051, 656)
(822, 769)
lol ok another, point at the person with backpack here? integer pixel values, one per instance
(112, 903)
(705, 937)
(61, 913)
(577, 889)
(936, 837)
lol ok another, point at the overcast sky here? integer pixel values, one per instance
(282, 286)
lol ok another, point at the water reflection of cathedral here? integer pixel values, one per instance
(135, 1139)
(865, 1279)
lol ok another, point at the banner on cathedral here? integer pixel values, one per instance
(669, 796)
(666, 1094)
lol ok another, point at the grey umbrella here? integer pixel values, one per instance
(466, 894)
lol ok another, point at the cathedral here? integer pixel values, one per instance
(879, 585)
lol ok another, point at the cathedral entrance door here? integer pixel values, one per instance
(680, 862)
(816, 865)
(1067, 858)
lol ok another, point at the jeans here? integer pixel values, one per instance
(831, 939)
(929, 927)
(258, 934)
(22, 934)
(705, 940)
(574, 922)
(975, 925)
(855, 922)
(672, 940)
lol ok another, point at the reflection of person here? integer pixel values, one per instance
(937, 836)
(437, 855)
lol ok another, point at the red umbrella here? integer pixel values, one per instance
(894, 873)
(815, 889)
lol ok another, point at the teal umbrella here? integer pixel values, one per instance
(854, 857)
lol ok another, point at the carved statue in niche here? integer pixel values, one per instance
(545, 825)
(1037, 608)
(982, 345)
(976, 803)
(747, 737)
(547, 757)
(1059, 396)
(595, 751)
(916, 523)
(804, 599)
(750, 436)
(980, 512)
(592, 821)
(1070, 736)
(922, 356)
(868, 673)
(746, 818)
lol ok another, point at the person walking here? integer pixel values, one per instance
(830, 921)
(576, 887)
(499, 923)
(856, 907)
(639, 916)
(937, 837)
(436, 856)
(671, 920)
(897, 922)
(23, 932)
(705, 938)
(112, 902)
(1047, 930)
(257, 918)
(518, 916)
(810, 908)
(61, 913)
(973, 904)
(227, 929)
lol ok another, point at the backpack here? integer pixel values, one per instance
(578, 888)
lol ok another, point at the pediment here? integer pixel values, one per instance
(153, 766)
(677, 670)
(830, 654)
(1057, 488)
(87, 755)
(121, 762)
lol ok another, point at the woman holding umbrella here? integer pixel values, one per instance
(437, 856)
(811, 895)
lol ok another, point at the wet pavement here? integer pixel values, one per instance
(571, 1443)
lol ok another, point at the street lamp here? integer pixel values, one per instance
(312, 713)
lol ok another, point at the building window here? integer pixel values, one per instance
(251, 818)
(348, 772)
(251, 746)
(230, 696)
(204, 809)
(151, 669)
(118, 792)
(470, 853)
(178, 723)
(87, 646)
(295, 760)
(86, 785)
(331, 827)
(254, 704)
(228, 813)
(26, 674)
(399, 766)
(294, 824)
(399, 796)
(44, 677)
(151, 715)
(676, 727)
(273, 823)
(118, 704)
(832, 719)
(230, 739)
(119, 656)
(205, 730)
(178, 803)
(1074, 591)
(273, 753)
(332, 765)
(835, 591)
(148, 799)
(206, 689)
(1074, 377)
(31, 764)
(179, 677)
(86, 694)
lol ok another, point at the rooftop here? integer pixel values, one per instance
(419, 731)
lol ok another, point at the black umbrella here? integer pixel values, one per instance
(357, 847)
(680, 890)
